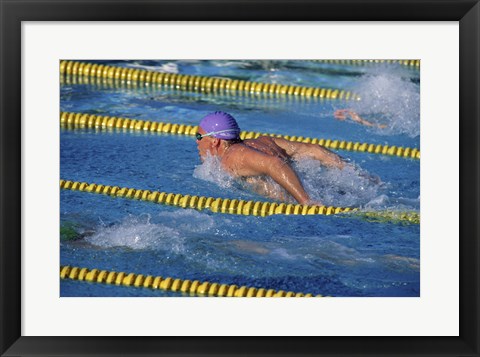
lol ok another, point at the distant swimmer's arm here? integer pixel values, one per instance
(249, 162)
(299, 150)
(341, 114)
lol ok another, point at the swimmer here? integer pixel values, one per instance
(253, 160)
(342, 114)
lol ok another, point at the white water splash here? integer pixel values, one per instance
(348, 187)
(390, 98)
(169, 67)
(211, 170)
(167, 231)
(138, 233)
(383, 202)
(188, 221)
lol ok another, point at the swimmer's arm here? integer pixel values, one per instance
(265, 188)
(299, 150)
(355, 117)
(326, 157)
(254, 163)
(341, 114)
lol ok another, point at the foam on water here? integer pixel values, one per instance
(169, 67)
(383, 202)
(187, 221)
(166, 231)
(211, 170)
(138, 233)
(348, 187)
(389, 97)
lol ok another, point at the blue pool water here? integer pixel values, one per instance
(329, 255)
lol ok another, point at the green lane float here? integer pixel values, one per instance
(199, 288)
(231, 206)
(404, 62)
(187, 82)
(83, 120)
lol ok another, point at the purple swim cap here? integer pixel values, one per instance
(221, 125)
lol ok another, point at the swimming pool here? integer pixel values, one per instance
(330, 255)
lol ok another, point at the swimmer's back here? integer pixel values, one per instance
(268, 146)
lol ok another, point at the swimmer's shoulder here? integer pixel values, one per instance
(234, 151)
(238, 152)
(261, 139)
(237, 159)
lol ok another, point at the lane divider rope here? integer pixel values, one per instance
(269, 100)
(405, 62)
(231, 206)
(198, 83)
(202, 288)
(83, 120)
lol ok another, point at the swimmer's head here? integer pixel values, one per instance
(220, 125)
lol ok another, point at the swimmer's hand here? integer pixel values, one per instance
(315, 203)
(341, 114)
(309, 202)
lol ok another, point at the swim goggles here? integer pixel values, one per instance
(200, 136)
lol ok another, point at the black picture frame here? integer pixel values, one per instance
(13, 12)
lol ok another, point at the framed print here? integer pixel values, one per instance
(211, 150)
